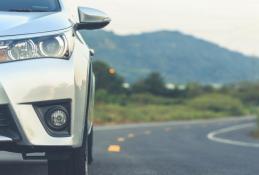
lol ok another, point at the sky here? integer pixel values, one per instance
(230, 23)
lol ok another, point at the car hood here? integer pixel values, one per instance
(20, 23)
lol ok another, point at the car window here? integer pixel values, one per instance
(30, 5)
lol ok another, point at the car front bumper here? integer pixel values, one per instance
(23, 83)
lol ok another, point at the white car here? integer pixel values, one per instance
(47, 83)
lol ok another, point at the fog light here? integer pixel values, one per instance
(57, 118)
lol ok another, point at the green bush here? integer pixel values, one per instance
(146, 98)
(102, 96)
(149, 108)
(218, 103)
(115, 113)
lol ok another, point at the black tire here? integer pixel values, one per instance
(76, 164)
(90, 147)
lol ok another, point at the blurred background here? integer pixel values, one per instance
(176, 60)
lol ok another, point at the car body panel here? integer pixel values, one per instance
(25, 82)
(24, 23)
(21, 23)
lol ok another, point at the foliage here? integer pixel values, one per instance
(114, 113)
(247, 92)
(154, 84)
(148, 108)
(149, 100)
(217, 103)
(102, 96)
(104, 80)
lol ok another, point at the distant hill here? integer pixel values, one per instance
(178, 57)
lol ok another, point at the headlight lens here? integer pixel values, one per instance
(57, 46)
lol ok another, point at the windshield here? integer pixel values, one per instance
(30, 5)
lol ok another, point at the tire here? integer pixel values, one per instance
(76, 164)
(90, 147)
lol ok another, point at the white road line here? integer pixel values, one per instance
(213, 136)
(174, 123)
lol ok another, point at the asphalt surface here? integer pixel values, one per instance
(175, 148)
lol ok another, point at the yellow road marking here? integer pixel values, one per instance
(130, 135)
(120, 139)
(114, 148)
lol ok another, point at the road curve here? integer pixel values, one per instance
(172, 148)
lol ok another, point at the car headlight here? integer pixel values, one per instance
(54, 46)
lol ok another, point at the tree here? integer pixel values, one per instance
(107, 78)
(154, 84)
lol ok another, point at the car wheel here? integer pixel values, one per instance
(90, 147)
(76, 164)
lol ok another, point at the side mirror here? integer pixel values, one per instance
(91, 19)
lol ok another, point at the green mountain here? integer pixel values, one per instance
(180, 58)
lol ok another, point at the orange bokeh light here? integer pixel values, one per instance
(111, 71)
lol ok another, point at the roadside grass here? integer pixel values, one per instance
(255, 133)
(114, 113)
(113, 109)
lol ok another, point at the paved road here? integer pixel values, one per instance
(177, 148)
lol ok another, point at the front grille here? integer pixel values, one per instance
(7, 124)
(5, 116)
